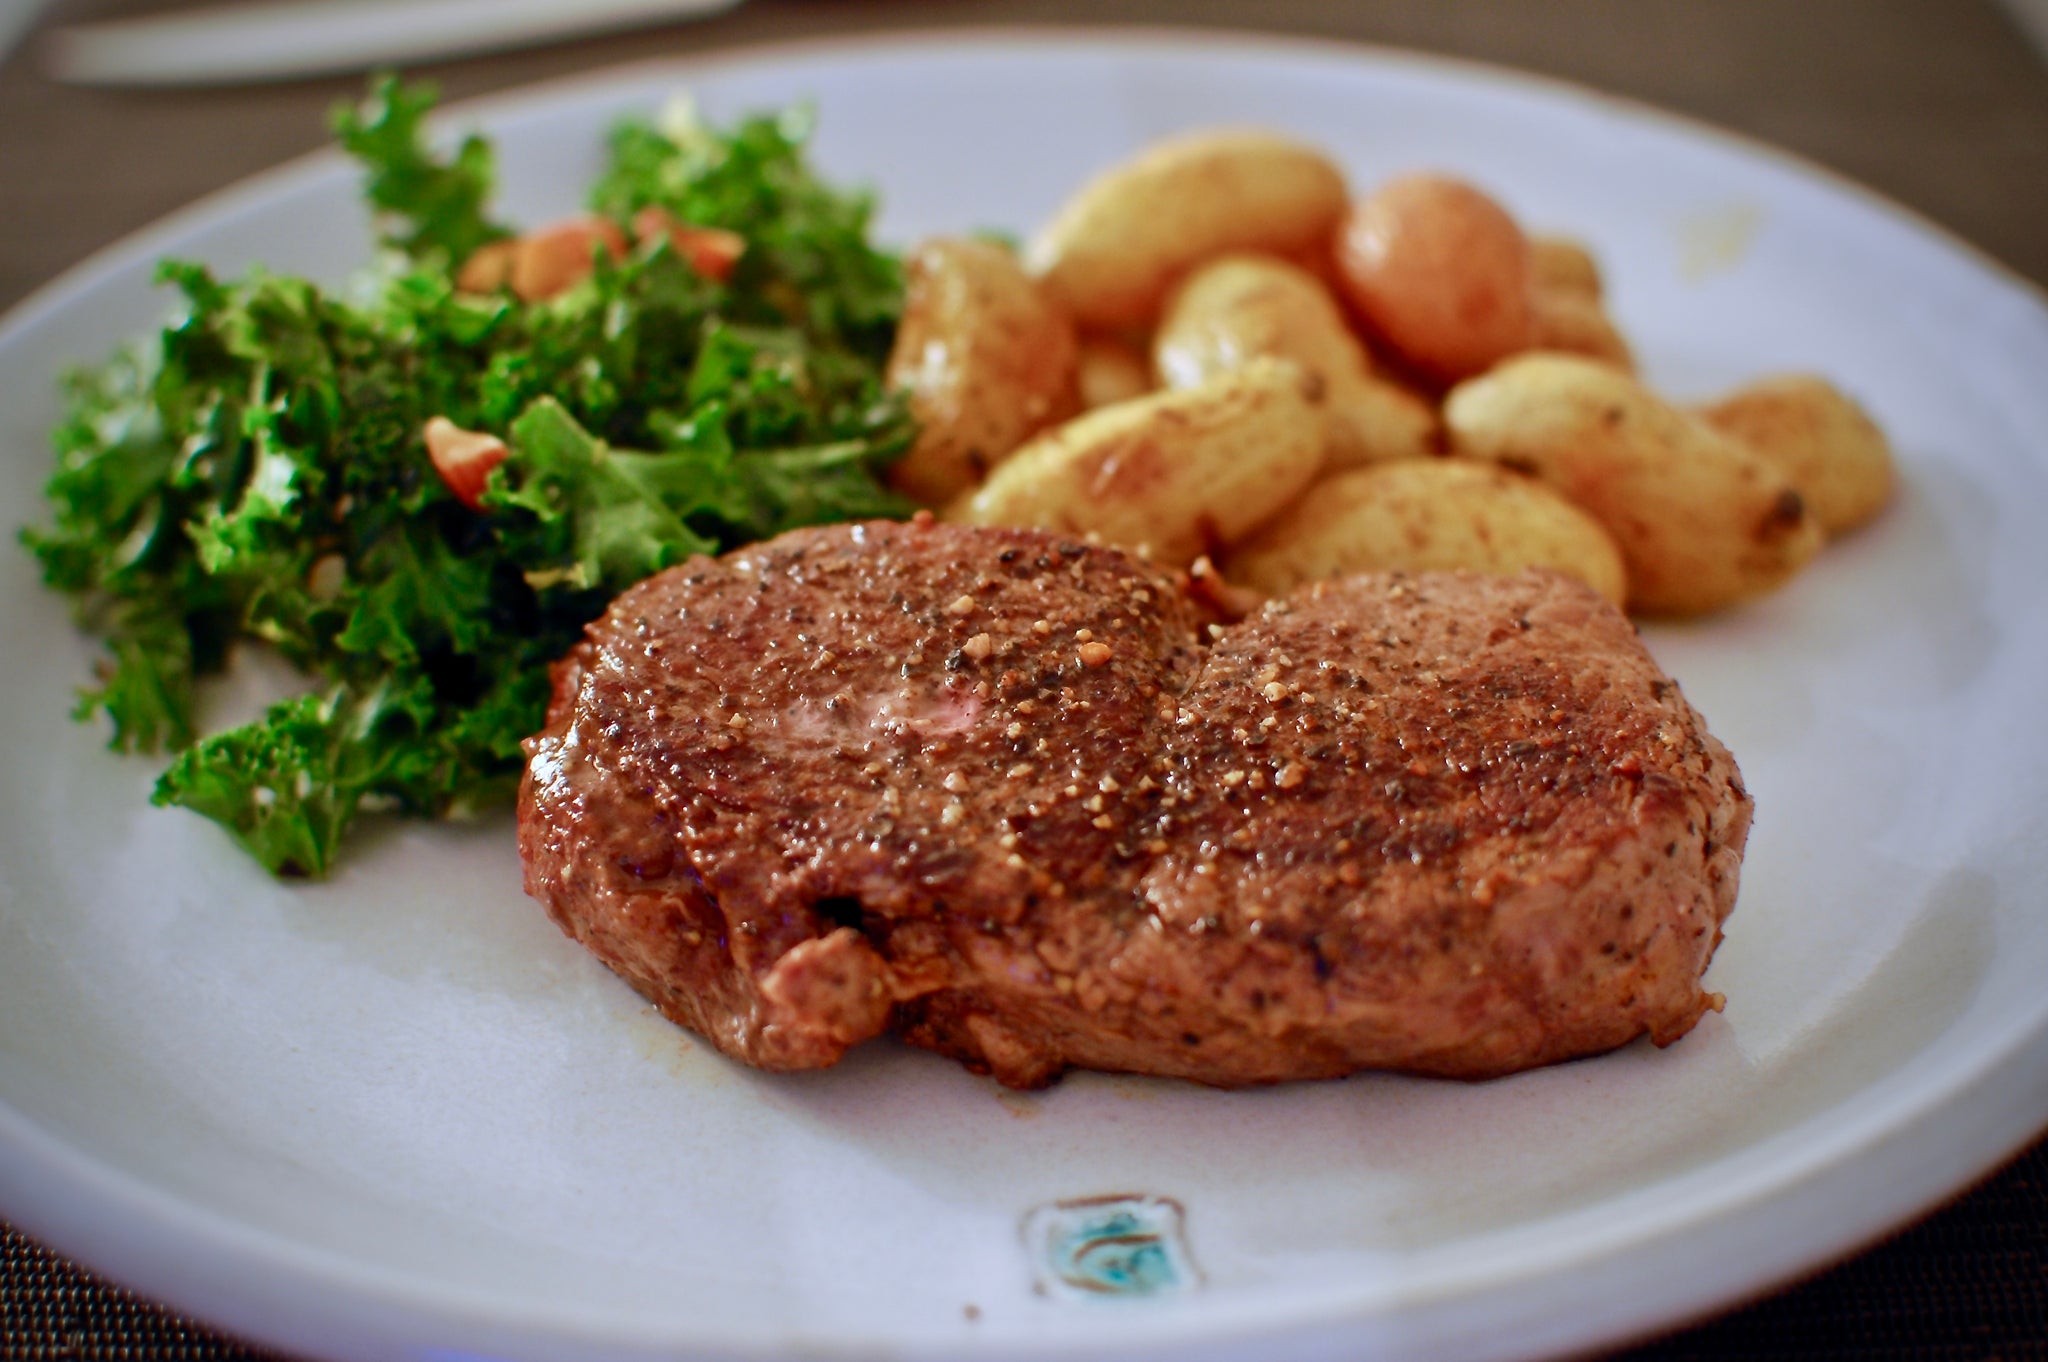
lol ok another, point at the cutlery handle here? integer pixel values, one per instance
(274, 39)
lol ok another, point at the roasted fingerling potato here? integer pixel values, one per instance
(1573, 322)
(1425, 515)
(1241, 307)
(1176, 474)
(1565, 265)
(1824, 442)
(1567, 303)
(1702, 520)
(1440, 272)
(1114, 250)
(1108, 370)
(1271, 374)
(985, 360)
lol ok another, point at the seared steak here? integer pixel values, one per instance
(1004, 795)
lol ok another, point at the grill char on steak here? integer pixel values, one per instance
(997, 793)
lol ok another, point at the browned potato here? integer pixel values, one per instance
(1440, 272)
(1567, 309)
(1175, 473)
(986, 362)
(1239, 307)
(1702, 520)
(1107, 370)
(1422, 515)
(1114, 250)
(1826, 444)
(1558, 263)
(1573, 322)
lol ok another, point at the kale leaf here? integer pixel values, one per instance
(441, 204)
(255, 474)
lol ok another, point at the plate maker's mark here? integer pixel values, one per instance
(1089, 1248)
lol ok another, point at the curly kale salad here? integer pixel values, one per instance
(709, 374)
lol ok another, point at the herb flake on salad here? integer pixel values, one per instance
(257, 471)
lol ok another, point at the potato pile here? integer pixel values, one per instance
(1213, 352)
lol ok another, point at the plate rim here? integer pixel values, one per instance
(1903, 1120)
(30, 308)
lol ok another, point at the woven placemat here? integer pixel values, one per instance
(50, 1311)
(1968, 1285)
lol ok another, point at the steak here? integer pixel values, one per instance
(1011, 798)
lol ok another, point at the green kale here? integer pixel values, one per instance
(441, 204)
(808, 262)
(256, 472)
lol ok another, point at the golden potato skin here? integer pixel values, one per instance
(1111, 254)
(1107, 370)
(1825, 443)
(1567, 303)
(1178, 473)
(1440, 272)
(1423, 515)
(1241, 307)
(1566, 265)
(985, 360)
(1702, 520)
(1573, 322)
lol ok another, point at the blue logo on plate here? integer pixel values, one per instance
(1110, 1246)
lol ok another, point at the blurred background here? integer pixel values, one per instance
(1941, 105)
(1936, 103)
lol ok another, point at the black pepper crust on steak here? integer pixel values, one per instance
(999, 794)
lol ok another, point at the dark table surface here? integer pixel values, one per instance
(1939, 104)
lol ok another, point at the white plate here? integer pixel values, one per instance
(398, 1115)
